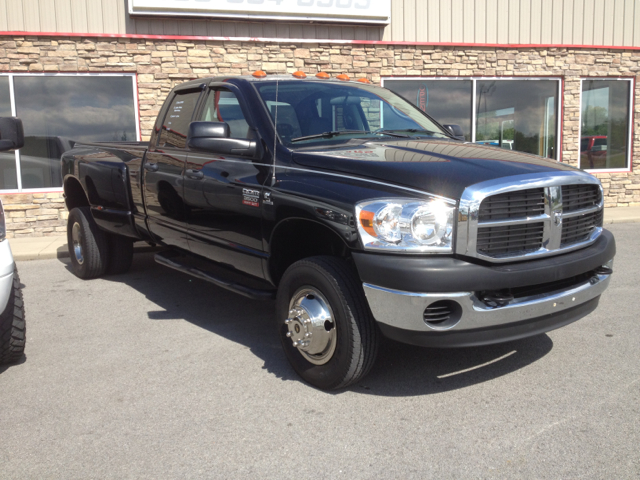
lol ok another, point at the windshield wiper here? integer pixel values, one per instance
(413, 130)
(331, 134)
(392, 133)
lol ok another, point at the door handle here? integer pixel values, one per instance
(194, 174)
(151, 167)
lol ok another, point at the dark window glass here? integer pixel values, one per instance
(176, 122)
(604, 128)
(517, 115)
(447, 101)
(311, 108)
(57, 111)
(8, 178)
(223, 106)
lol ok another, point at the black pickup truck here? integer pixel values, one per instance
(358, 213)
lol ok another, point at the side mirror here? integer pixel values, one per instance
(11, 134)
(456, 131)
(213, 137)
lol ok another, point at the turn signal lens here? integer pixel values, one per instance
(259, 74)
(299, 74)
(343, 77)
(323, 75)
(366, 220)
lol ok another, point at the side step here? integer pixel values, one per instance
(164, 258)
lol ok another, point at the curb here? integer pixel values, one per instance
(63, 252)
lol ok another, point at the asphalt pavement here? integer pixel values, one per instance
(153, 374)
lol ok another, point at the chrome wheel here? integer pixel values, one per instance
(76, 235)
(311, 326)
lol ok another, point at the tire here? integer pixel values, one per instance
(88, 246)
(340, 350)
(12, 325)
(120, 254)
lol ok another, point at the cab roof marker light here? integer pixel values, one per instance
(363, 80)
(259, 74)
(323, 75)
(343, 77)
(299, 74)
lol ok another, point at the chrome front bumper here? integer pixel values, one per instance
(405, 310)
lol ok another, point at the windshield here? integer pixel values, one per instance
(306, 111)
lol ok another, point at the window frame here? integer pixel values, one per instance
(475, 79)
(632, 86)
(12, 75)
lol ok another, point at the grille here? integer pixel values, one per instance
(578, 229)
(577, 197)
(437, 313)
(510, 240)
(519, 204)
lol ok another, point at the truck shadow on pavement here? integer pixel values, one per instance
(400, 370)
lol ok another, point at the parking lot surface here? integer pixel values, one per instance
(154, 374)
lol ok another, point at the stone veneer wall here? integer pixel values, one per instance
(160, 64)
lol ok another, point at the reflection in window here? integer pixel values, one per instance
(8, 177)
(447, 101)
(517, 115)
(57, 111)
(604, 126)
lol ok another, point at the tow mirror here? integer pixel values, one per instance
(213, 137)
(11, 134)
(456, 131)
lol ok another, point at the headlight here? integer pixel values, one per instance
(406, 225)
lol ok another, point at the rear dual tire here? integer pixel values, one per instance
(94, 252)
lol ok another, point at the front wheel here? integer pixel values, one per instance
(12, 325)
(326, 328)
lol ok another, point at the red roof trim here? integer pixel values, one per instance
(312, 40)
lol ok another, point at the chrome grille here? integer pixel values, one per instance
(510, 239)
(577, 197)
(524, 203)
(578, 229)
(529, 215)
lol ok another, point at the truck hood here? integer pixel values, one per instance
(440, 167)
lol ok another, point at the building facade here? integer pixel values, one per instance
(557, 78)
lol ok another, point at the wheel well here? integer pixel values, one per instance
(297, 239)
(74, 194)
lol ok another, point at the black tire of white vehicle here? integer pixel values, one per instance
(13, 330)
(120, 254)
(88, 245)
(355, 345)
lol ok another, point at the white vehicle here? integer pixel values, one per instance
(12, 321)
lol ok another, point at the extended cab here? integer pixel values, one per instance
(356, 211)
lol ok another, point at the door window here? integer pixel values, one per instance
(223, 106)
(176, 122)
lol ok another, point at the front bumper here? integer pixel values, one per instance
(572, 288)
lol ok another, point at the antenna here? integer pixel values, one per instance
(275, 137)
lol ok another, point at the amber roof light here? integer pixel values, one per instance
(259, 74)
(343, 77)
(364, 80)
(323, 75)
(299, 74)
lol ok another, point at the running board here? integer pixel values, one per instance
(253, 293)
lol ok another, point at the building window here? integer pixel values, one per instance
(605, 124)
(57, 111)
(514, 114)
